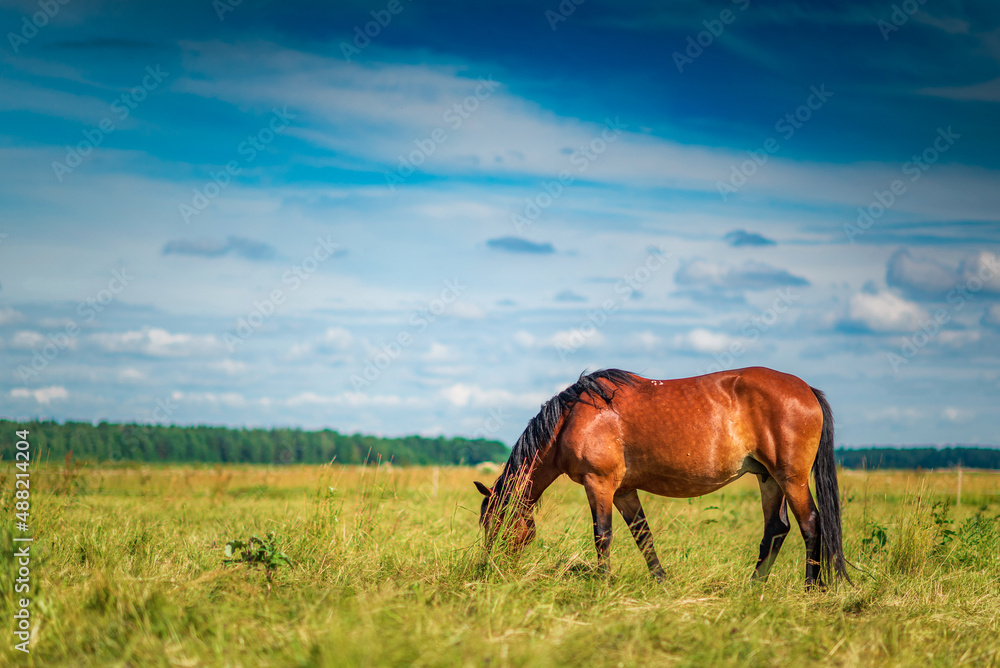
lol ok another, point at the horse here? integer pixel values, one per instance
(616, 433)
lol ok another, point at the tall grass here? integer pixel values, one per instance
(388, 569)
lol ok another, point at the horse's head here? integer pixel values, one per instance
(498, 515)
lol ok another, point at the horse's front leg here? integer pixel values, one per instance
(601, 494)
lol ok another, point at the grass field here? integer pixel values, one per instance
(388, 570)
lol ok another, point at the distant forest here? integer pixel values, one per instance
(154, 443)
(922, 457)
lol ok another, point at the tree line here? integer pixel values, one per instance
(919, 458)
(107, 442)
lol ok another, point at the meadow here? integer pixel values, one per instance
(387, 568)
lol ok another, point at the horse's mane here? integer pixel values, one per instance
(541, 428)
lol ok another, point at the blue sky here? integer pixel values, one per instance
(248, 215)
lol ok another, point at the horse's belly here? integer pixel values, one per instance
(687, 476)
(681, 488)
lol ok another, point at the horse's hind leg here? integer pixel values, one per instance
(776, 525)
(629, 506)
(801, 502)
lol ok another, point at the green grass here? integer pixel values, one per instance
(388, 570)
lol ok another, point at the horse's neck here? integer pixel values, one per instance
(538, 472)
(541, 475)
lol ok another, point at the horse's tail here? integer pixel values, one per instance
(543, 428)
(828, 498)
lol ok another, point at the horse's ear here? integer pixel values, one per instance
(483, 489)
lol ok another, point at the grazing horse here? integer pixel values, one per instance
(615, 432)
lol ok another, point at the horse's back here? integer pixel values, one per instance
(690, 436)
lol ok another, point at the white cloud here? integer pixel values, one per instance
(700, 276)
(438, 352)
(991, 316)
(893, 414)
(451, 370)
(300, 350)
(26, 340)
(949, 24)
(351, 400)
(574, 339)
(43, 395)
(953, 414)
(333, 340)
(55, 323)
(524, 339)
(156, 342)
(885, 312)
(956, 338)
(228, 366)
(31, 340)
(647, 340)
(462, 395)
(982, 268)
(131, 374)
(390, 105)
(9, 316)
(336, 338)
(230, 399)
(986, 91)
(459, 394)
(21, 96)
(928, 278)
(924, 276)
(703, 340)
(467, 310)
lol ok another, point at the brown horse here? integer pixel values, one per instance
(615, 433)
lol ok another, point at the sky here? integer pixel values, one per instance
(398, 217)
